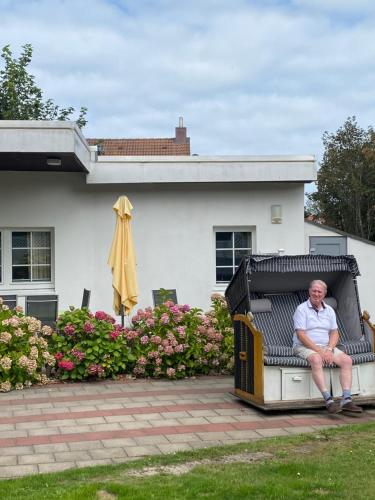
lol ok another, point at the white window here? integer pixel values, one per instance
(231, 246)
(26, 257)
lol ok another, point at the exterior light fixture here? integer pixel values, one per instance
(276, 214)
(54, 162)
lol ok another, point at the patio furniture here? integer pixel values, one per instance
(42, 307)
(161, 295)
(262, 297)
(9, 300)
(86, 298)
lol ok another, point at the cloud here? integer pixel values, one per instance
(249, 77)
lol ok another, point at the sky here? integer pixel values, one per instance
(249, 77)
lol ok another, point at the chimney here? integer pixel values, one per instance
(181, 132)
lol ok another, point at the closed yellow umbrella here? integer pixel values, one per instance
(122, 260)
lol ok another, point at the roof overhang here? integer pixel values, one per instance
(202, 169)
(47, 146)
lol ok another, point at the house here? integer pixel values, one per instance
(194, 216)
(320, 238)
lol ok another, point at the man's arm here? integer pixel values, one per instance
(307, 342)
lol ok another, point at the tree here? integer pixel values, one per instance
(345, 196)
(21, 99)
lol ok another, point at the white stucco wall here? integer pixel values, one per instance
(364, 252)
(173, 230)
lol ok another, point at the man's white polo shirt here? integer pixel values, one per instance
(316, 324)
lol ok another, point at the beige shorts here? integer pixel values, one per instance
(305, 352)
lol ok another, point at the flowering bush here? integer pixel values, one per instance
(87, 345)
(176, 341)
(24, 352)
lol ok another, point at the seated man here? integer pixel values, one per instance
(315, 339)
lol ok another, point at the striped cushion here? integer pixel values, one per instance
(278, 350)
(367, 357)
(285, 361)
(353, 347)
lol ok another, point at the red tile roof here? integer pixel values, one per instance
(141, 147)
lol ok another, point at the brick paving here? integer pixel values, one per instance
(62, 426)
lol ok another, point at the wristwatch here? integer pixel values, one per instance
(330, 349)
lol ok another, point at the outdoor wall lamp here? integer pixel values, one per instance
(54, 162)
(276, 214)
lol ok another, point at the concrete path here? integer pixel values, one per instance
(61, 426)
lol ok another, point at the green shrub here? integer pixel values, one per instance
(176, 341)
(87, 346)
(24, 350)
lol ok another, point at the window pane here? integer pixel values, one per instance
(224, 240)
(21, 273)
(41, 239)
(20, 240)
(224, 273)
(41, 256)
(224, 257)
(238, 254)
(20, 257)
(242, 240)
(41, 273)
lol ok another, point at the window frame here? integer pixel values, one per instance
(231, 229)
(7, 282)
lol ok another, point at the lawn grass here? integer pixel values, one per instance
(334, 463)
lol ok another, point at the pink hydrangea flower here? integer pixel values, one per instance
(155, 339)
(67, 365)
(100, 315)
(144, 339)
(164, 318)
(171, 372)
(59, 355)
(150, 322)
(69, 330)
(88, 327)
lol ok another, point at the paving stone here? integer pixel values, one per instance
(193, 421)
(61, 422)
(175, 414)
(17, 471)
(272, 432)
(50, 447)
(8, 427)
(71, 456)
(92, 420)
(226, 419)
(56, 467)
(171, 422)
(244, 434)
(142, 440)
(16, 450)
(300, 429)
(91, 463)
(36, 458)
(43, 431)
(8, 459)
(77, 429)
(211, 436)
(85, 445)
(13, 434)
(119, 418)
(202, 413)
(135, 425)
(106, 453)
(118, 442)
(141, 451)
(147, 416)
(182, 438)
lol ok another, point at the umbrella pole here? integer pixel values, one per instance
(122, 315)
